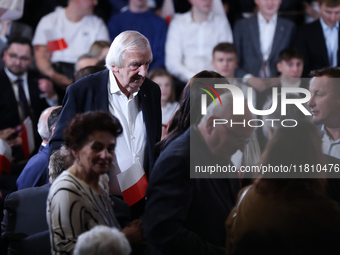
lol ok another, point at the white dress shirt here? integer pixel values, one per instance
(267, 32)
(189, 45)
(332, 38)
(329, 146)
(130, 145)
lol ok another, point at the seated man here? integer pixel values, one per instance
(259, 40)
(140, 18)
(191, 39)
(186, 211)
(64, 35)
(319, 40)
(35, 173)
(23, 92)
(325, 105)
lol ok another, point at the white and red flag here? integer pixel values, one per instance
(5, 157)
(133, 183)
(27, 136)
(55, 40)
(168, 10)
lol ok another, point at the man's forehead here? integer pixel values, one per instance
(19, 47)
(328, 8)
(138, 55)
(224, 54)
(320, 83)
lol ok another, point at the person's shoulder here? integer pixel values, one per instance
(181, 17)
(65, 181)
(149, 85)
(242, 23)
(29, 192)
(91, 81)
(53, 15)
(309, 27)
(286, 22)
(92, 20)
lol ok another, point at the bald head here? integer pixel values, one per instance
(223, 132)
(43, 124)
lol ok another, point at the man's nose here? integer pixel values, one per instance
(143, 70)
(311, 102)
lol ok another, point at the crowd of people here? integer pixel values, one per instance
(109, 122)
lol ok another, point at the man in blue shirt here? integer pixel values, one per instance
(319, 40)
(140, 18)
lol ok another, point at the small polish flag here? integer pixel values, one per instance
(27, 137)
(168, 10)
(55, 40)
(133, 184)
(59, 44)
(5, 157)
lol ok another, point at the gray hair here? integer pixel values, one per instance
(43, 129)
(102, 240)
(292, 112)
(60, 160)
(126, 41)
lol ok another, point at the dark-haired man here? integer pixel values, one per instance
(319, 40)
(23, 92)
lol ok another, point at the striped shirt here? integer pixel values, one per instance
(74, 208)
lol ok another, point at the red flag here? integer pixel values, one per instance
(5, 157)
(27, 137)
(168, 10)
(133, 184)
(58, 44)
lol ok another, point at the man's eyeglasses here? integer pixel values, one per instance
(16, 57)
(237, 139)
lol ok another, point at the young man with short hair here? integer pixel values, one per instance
(319, 40)
(225, 59)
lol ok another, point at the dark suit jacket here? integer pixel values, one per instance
(247, 42)
(9, 115)
(91, 94)
(311, 41)
(185, 215)
(26, 211)
(35, 173)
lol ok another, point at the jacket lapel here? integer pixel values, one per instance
(102, 97)
(320, 42)
(255, 34)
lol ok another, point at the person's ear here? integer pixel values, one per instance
(75, 154)
(210, 124)
(115, 69)
(279, 67)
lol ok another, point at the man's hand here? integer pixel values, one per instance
(134, 232)
(46, 86)
(5, 133)
(310, 10)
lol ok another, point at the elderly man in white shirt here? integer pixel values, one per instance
(325, 105)
(192, 37)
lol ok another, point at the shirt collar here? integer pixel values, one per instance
(262, 20)
(191, 20)
(114, 88)
(284, 84)
(12, 77)
(325, 26)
